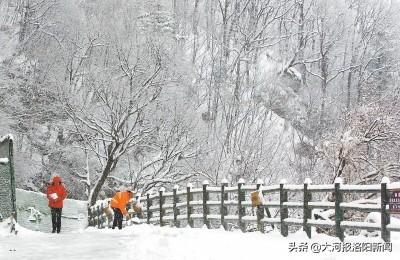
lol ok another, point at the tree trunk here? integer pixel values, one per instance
(324, 85)
(194, 29)
(111, 162)
(225, 40)
(24, 21)
(301, 43)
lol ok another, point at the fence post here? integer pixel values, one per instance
(162, 200)
(224, 209)
(241, 209)
(137, 201)
(205, 206)
(338, 211)
(149, 203)
(306, 210)
(129, 208)
(260, 208)
(385, 217)
(283, 210)
(102, 217)
(176, 210)
(89, 217)
(189, 198)
(98, 216)
(94, 216)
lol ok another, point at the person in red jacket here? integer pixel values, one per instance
(56, 194)
(118, 205)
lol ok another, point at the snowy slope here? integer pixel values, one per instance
(152, 242)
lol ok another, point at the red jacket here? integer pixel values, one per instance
(56, 201)
(120, 200)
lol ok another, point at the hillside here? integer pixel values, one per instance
(167, 92)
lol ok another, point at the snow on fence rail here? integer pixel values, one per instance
(170, 213)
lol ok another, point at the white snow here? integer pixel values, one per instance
(293, 187)
(181, 204)
(353, 224)
(385, 180)
(271, 203)
(339, 180)
(324, 214)
(9, 136)
(295, 73)
(295, 221)
(394, 185)
(326, 187)
(318, 222)
(230, 189)
(231, 217)
(196, 216)
(147, 242)
(213, 203)
(271, 220)
(249, 218)
(196, 203)
(374, 217)
(293, 204)
(152, 208)
(250, 187)
(321, 204)
(4, 160)
(169, 205)
(367, 187)
(345, 205)
(271, 188)
(197, 190)
(215, 189)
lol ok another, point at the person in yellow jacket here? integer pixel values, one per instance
(118, 205)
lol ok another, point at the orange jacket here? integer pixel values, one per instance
(56, 201)
(120, 200)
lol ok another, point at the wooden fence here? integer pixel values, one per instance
(158, 210)
(97, 216)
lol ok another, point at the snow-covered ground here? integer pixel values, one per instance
(152, 242)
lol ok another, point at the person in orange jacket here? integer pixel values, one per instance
(118, 205)
(56, 194)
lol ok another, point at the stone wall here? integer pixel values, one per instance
(7, 186)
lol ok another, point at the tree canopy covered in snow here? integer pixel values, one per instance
(150, 93)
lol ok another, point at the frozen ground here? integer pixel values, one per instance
(152, 242)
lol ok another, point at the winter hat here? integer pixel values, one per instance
(56, 179)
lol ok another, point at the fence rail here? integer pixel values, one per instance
(157, 210)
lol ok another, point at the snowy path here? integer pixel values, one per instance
(151, 242)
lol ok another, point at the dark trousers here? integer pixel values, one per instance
(118, 217)
(56, 219)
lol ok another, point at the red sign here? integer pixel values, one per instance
(394, 201)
